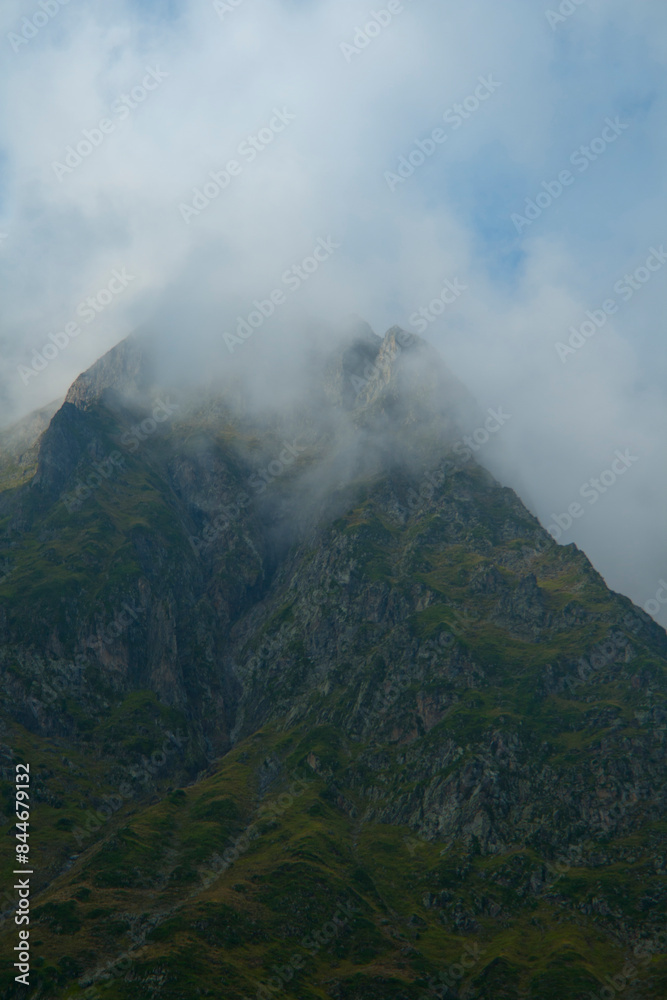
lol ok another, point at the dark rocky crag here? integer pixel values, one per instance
(267, 665)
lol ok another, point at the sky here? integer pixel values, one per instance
(174, 165)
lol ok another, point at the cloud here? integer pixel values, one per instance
(225, 74)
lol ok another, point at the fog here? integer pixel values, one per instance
(486, 175)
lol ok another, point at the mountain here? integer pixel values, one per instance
(313, 706)
(18, 444)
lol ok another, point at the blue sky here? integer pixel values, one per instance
(223, 73)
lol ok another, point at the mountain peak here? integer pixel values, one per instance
(126, 368)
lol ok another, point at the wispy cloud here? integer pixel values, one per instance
(226, 73)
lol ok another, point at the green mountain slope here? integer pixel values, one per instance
(316, 708)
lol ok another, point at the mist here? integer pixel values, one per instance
(240, 179)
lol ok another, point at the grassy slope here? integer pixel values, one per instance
(148, 894)
(138, 885)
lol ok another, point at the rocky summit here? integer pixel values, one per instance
(312, 706)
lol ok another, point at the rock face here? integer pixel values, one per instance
(19, 445)
(127, 369)
(386, 692)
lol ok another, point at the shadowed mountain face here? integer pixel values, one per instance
(313, 706)
(19, 445)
